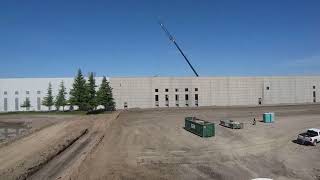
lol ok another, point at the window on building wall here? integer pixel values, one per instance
(16, 92)
(196, 99)
(38, 103)
(27, 92)
(186, 97)
(167, 100)
(195, 89)
(260, 101)
(314, 87)
(177, 89)
(156, 99)
(156, 90)
(177, 100)
(166, 90)
(38, 92)
(16, 104)
(28, 99)
(5, 93)
(5, 103)
(268, 88)
(186, 89)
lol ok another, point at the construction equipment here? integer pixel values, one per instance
(176, 44)
(231, 124)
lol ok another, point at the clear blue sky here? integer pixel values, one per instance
(122, 38)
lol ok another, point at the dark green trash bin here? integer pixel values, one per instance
(199, 127)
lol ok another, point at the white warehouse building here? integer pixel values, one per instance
(153, 92)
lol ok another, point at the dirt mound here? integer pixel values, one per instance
(26, 155)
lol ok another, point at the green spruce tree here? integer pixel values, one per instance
(92, 100)
(48, 100)
(26, 104)
(104, 95)
(79, 92)
(61, 97)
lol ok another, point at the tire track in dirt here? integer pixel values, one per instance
(26, 155)
(66, 164)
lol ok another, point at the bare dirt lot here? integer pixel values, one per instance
(15, 126)
(152, 144)
(45, 137)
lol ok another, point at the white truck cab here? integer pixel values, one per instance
(312, 136)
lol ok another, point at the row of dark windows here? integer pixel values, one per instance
(186, 97)
(17, 92)
(176, 90)
(17, 105)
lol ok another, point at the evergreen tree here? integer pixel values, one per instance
(79, 92)
(92, 92)
(61, 97)
(26, 104)
(104, 95)
(48, 100)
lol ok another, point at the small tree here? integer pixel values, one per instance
(92, 100)
(48, 100)
(104, 95)
(61, 97)
(26, 104)
(79, 92)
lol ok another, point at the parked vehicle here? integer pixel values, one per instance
(231, 124)
(312, 136)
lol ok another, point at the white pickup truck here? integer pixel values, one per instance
(312, 136)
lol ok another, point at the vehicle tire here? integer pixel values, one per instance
(314, 142)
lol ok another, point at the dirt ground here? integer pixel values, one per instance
(15, 126)
(24, 155)
(152, 144)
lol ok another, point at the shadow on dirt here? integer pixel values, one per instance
(300, 143)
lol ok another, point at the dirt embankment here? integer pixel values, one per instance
(66, 165)
(26, 155)
(16, 126)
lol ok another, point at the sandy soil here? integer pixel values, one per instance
(152, 144)
(20, 125)
(23, 156)
(66, 164)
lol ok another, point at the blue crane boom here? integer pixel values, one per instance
(176, 44)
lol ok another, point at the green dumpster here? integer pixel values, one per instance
(199, 127)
